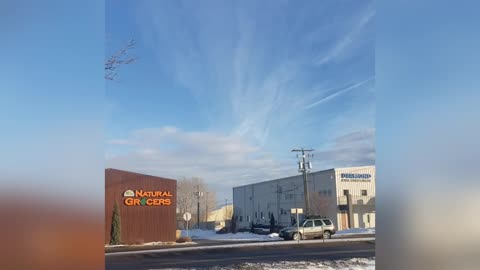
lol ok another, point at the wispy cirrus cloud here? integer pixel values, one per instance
(246, 70)
(347, 40)
(339, 92)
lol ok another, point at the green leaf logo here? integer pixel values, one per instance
(143, 201)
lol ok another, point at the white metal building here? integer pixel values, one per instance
(345, 195)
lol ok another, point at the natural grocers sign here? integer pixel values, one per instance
(147, 198)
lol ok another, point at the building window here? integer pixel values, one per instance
(256, 215)
(345, 192)
(364, 192)
(248, 218)
(241, 218)
(261, 214)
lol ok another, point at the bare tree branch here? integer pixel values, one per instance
(187, 201)
(118, 59)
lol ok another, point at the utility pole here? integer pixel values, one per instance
(295, 195)
(206, 210)
(279, 191)
(198, 194)
(304, 165)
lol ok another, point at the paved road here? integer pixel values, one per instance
(205, 242)
(207, 259)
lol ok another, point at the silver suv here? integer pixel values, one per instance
(310, 228)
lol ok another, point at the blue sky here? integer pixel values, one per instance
(223, 90)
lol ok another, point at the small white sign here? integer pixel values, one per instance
(297, 211)
(187, 216)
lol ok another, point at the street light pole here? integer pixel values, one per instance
(206, 210)
(198, 211)
(198, 194)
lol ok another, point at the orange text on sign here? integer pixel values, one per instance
(149, 202)
(141, 193)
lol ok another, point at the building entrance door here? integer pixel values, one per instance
(344, 219)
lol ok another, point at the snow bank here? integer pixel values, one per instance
(112, 246)
(357, 231)
(153, 244)
(241, 236)
(351, 264)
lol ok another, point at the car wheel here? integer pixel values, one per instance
(327, 235)
(295, 236)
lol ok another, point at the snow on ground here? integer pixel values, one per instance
(243, 236)
(357, 231)
(240, 236)
(152, 244)
(112, 246)
(247, 236)
(167, 243)
(350, 264)
(144, 244)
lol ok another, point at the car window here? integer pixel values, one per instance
(327, 222)
(318, 223)
(308, 223)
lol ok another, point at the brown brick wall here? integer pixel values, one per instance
(140, 224)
